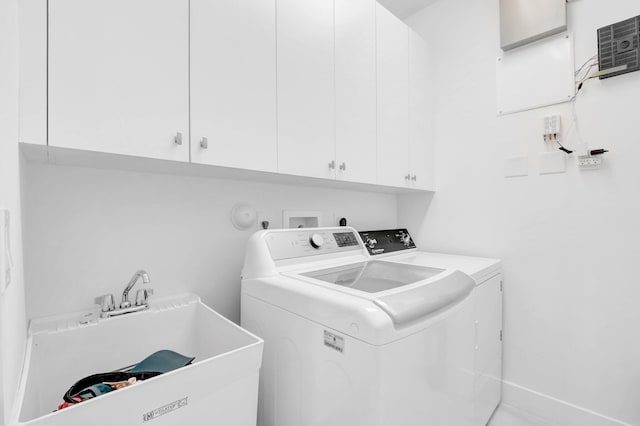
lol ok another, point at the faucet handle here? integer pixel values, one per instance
(142, 296)
(106, 302)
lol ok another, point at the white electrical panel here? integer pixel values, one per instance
(525, 21)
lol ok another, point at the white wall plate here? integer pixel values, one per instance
(516, 166)
(536, 75)
(552, 162)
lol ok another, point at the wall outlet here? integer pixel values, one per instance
(587, 162)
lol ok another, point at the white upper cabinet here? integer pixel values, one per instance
(33, 71)
(306, 88)
(355, 63)
(233, 83)
(118, 76)
(393, 99)
(421, 164)
(331, 89)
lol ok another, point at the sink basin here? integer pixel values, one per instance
(220, 387)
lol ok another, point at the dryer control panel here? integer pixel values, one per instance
(289, 244)
(388, 241)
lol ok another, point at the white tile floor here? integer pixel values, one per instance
(506, 415)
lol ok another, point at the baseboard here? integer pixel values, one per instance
(552, 410)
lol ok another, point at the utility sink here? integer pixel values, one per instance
(220, 387)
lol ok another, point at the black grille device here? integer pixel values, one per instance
(619, 45)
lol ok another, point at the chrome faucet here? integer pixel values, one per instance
(108, 307)
(125, 294)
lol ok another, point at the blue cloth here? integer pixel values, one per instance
(162, 362)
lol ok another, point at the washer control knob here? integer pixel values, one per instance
(316, 241)
(371, 243)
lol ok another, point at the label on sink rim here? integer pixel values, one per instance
(165, 409)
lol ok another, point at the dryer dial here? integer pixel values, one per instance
(316, 241)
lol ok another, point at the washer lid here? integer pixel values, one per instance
(373, 276)
(428, 300)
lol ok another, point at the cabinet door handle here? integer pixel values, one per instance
(414, 178)
(343, 166)
(332, 165)
(178, 138)
(204, 143)
(407, 177)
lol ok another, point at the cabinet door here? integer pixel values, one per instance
(393, 99)
(421, 164)
(306, 90)
(118, 76)
(32, 25)
(355, 56)
(488, 362)
(233, 83)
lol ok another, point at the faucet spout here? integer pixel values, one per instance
(125, 294)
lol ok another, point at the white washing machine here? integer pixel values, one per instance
(397, 246)
(355, 341)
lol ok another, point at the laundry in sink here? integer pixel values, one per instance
(102, 383)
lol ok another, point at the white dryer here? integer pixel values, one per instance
(396, 245)
(355, 341)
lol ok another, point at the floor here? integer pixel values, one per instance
(507, 415)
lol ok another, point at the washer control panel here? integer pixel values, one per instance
(288, 244)
(346, 239)
(388, 241)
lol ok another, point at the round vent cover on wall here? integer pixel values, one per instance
(243, 216)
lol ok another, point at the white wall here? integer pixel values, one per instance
(572, 317)
(88, 230)
(12, 314)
